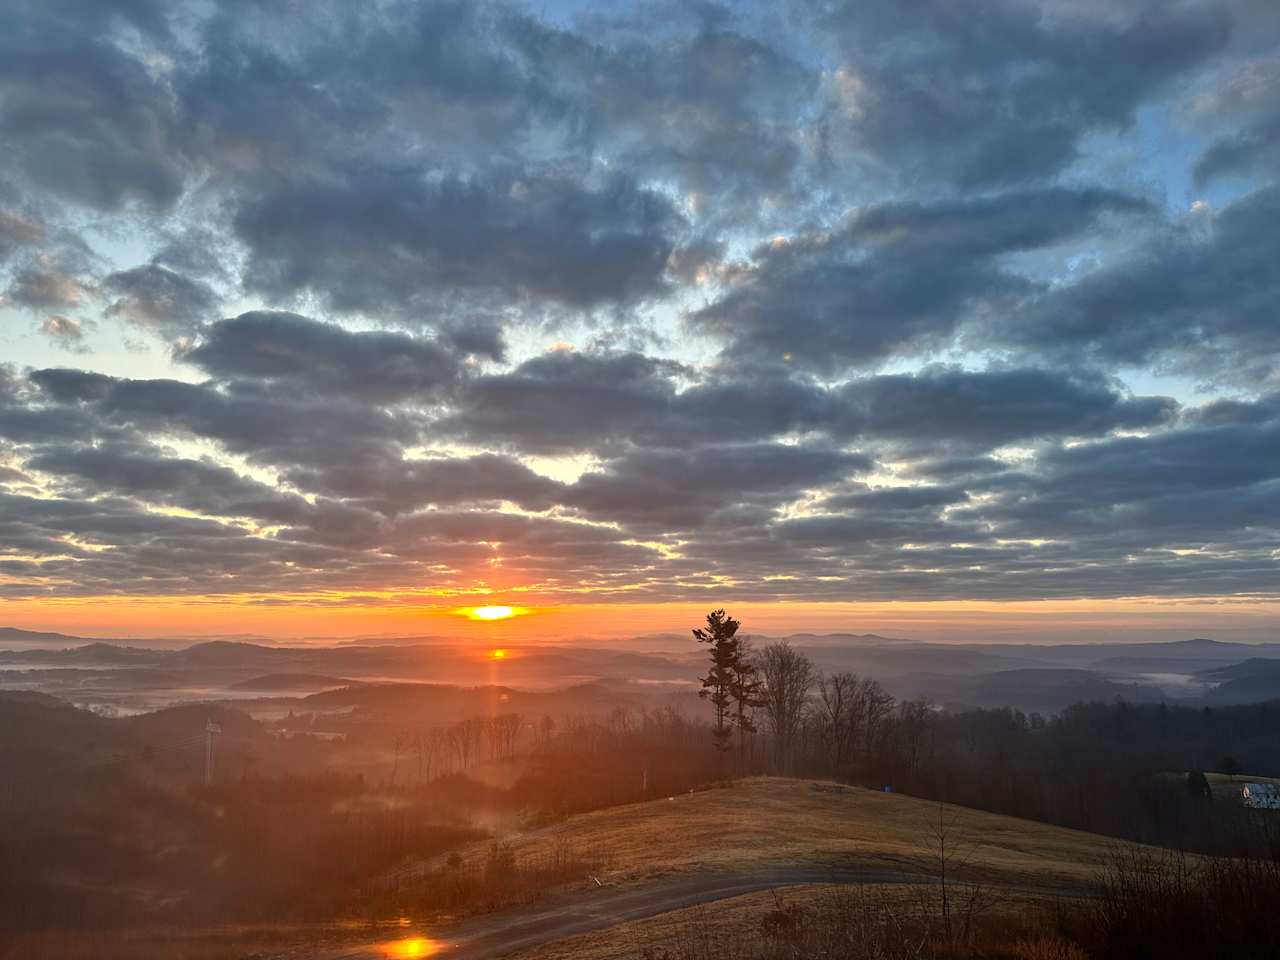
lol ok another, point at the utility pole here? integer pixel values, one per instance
(211, 727)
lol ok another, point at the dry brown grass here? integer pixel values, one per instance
(736, 921)
(769, 820)
(746, 824)
(733, 919)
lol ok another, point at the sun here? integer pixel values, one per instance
(490, 613)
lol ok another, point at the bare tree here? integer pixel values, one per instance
(398, 746)
(491, 736)
(475, 728)
(788, 680)
(747, 688)
(465, 737)
(501, 732)
(460, 745)
(619, 720)
(952, 850)
(876, 707)
(431, 747)
(508, 727)
(836, 695)
(913, 724)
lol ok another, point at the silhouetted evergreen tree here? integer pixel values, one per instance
(721, 635)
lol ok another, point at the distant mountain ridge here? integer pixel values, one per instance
(16, 635)
(1044, 677)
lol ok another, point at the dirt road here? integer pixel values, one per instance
(606, 907)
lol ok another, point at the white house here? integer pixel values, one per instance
(1261, 796)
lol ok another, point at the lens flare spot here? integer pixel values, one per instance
(411, 948)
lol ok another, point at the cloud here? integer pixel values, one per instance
(946, 408)
(158, 476)
(980, 94)
(687, 95)
(42, 288)
(564, 402)
(1198, 302)
(156, 298)
(65, 331)
(1187, 507)
(896, 278)
(1243, 109)
(267, 426)
(84, 120)
(676, 490)
(855, 317)
(894, 499)
(567, 402)
(403, 485)
(398, 241)
(323, 359)
(16, 232)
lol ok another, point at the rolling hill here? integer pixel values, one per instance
(1249, 682)
(749, 846)
(775, 821)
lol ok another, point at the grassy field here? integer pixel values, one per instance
(772, 821)
(735, 922)
(742, 826)
(768, 820)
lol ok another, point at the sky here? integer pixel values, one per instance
(921, 317)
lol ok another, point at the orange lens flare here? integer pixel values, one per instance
(411, 948)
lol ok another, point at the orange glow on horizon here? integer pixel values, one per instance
(498, 654)
(325, 618)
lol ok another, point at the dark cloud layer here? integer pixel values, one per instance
(153, 296)
(1200, 300)
(863, 300)
(324, 359)
(894, 278)
(987, 93)
(423, 239)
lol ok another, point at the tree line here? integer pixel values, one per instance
(1114, 768)
(808, 717)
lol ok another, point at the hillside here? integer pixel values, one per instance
(747, 846)
(771, 820)
(1248, 682)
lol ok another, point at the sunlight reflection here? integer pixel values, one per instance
(411, 948)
